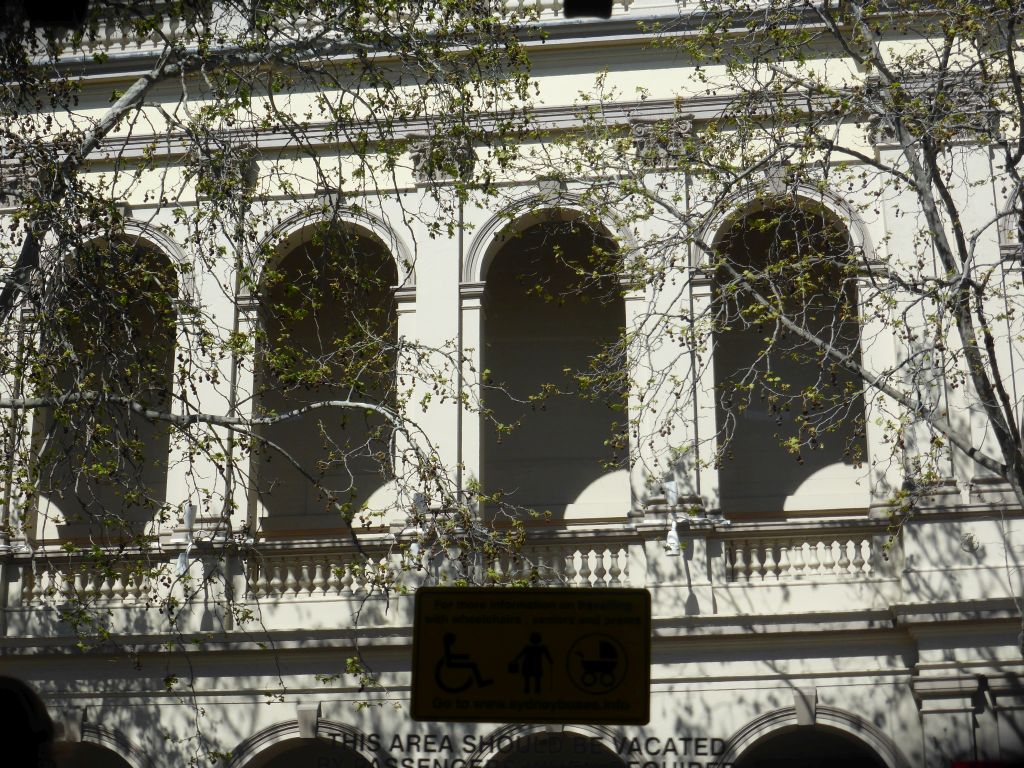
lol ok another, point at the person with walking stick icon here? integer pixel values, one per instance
(530, 662)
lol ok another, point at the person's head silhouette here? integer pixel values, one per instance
(26, 730)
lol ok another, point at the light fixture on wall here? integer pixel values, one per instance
(671, 493)
(414, 546)
(672, 539)
(594, 9)
(420, 508)
(453, 551)
(190, 521)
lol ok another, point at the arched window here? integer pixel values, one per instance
(107, 348)
(329, 334)
(791, 418)
(553, 313)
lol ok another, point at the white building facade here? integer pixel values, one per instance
(794, 622)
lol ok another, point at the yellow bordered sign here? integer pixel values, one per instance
(543, 655)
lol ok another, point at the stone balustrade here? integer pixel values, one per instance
(52, 582)
(305, 575)
(725, 559)
(569, 564)
(115, 38)
(786, 559)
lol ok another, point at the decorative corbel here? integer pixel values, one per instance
(308, 718)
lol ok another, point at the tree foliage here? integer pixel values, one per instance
(161, 318)
(831, 181)
(822, 219)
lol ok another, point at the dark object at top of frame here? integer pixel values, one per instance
(574, 9)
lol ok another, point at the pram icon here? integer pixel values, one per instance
(600, 670)
(597, 663)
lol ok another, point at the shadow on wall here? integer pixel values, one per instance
(328, 314)
(552, 310)
(791, 420)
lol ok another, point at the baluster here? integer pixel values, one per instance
(796, 556)
(116, 589)
(860, 565)
(497, 569)
(320, 578)
(43, 587)
(142, 587)
(754, 556)
(844, 559)
(334, 574)
(540, 565)
(770, 572)
(614, 571)
(784, 566)
(59, 584)
(571, 571)
(291, 581)
(276, 582)
(139, 587)
(119, 590)
(129, 587)
(64, 584)
(28, 591)
(552, 560)
(37, 585)
(556, 566)
(305, 581)
(600, 571)
(827, 559)
(739, 562)
(253, 577)
(811, 563)
(360, 578)
(265, 578)
(348, 579)
(152, 585)
(811, 560)
(585, 568)
(555, 560)
(82, 581)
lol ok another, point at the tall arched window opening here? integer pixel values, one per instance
(553, 317)
(107, 350)
(790, 416)
(329, 328)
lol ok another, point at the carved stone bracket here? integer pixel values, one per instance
(441, 157)
(660, 142)
(968, 118)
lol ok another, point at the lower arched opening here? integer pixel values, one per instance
(809, 747)
(86, 755)
(554, 750)
(292, 753)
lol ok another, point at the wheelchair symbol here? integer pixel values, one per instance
(455, 672)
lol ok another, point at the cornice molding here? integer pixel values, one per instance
(325, 134)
